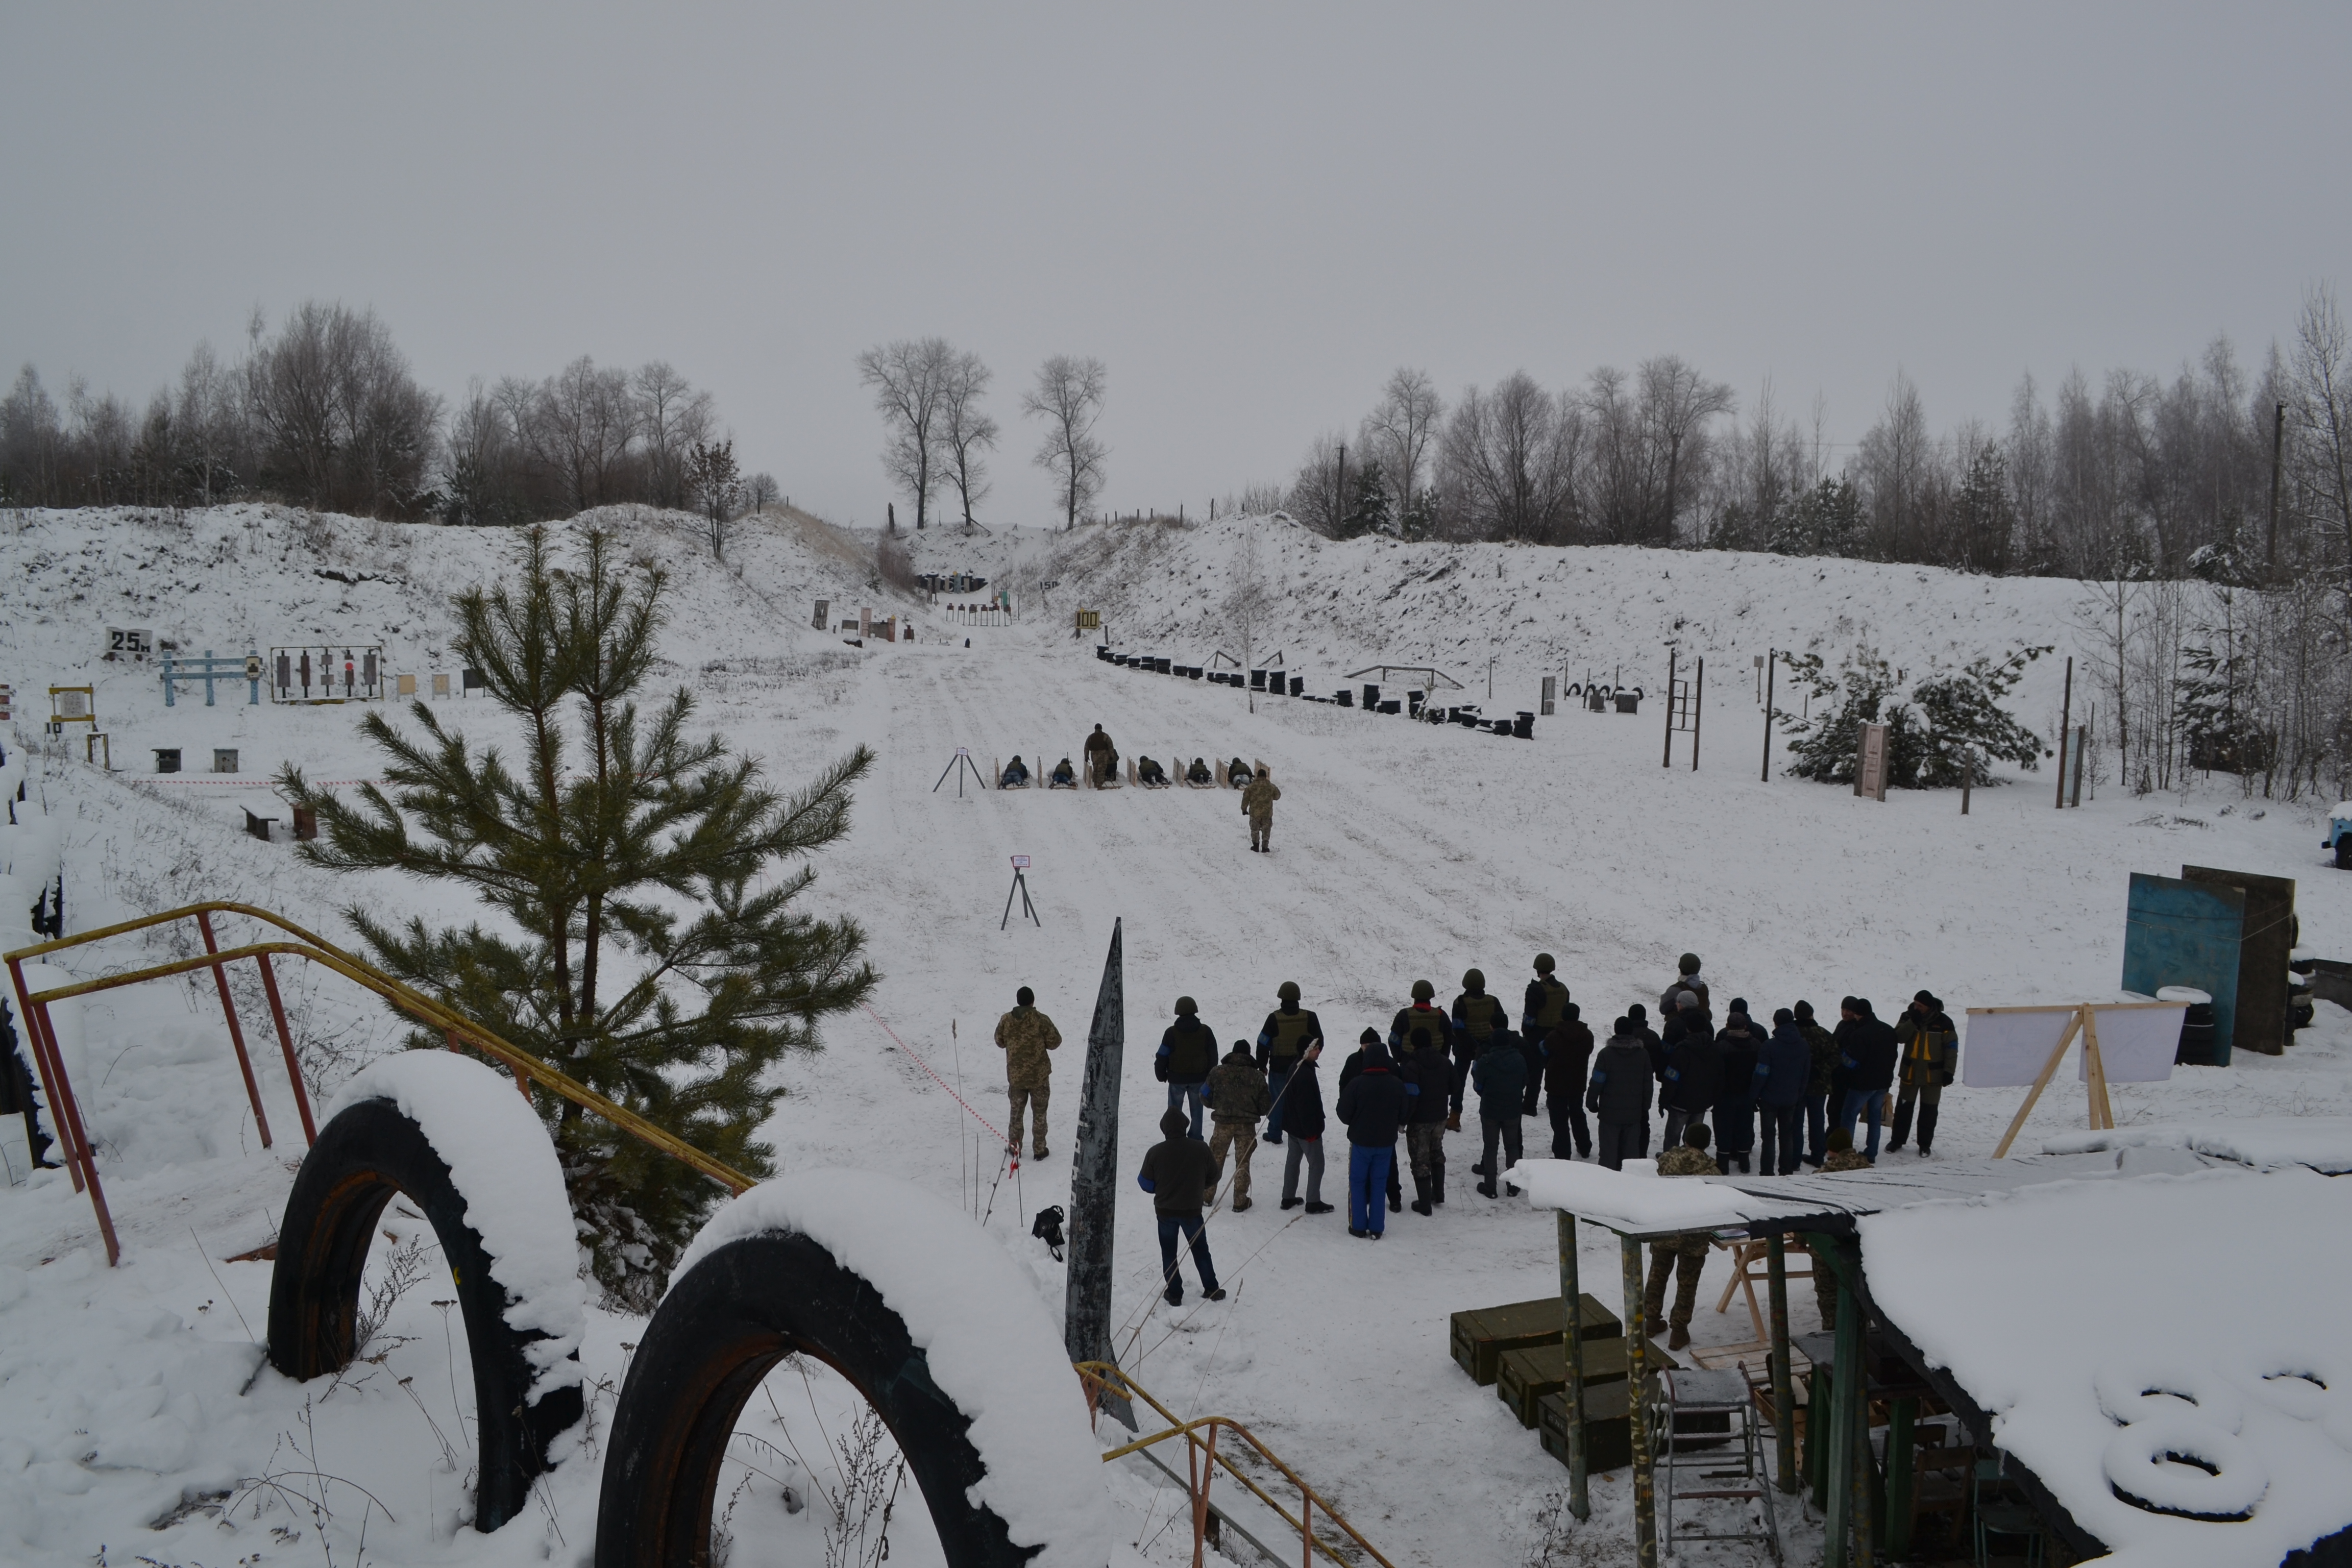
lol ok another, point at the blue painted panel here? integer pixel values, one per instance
(2186, 933)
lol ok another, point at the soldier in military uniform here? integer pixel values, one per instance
(1237, 1097)
(1546, 1004)
(1025, 1034)
(1475, 1017)
(1682, 1256)
(1931, 1050)
(1288, 1031)
(1101, 757)
(1257, 801)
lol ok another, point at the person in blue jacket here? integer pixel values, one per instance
(1373, 1106)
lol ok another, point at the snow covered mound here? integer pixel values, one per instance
(977, 1319)
(502, 1163)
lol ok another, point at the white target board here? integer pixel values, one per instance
(2136, 1042)
(2007, 1049)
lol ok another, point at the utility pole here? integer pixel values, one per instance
(2278, 452)
(1772, 669)
(2066, 717)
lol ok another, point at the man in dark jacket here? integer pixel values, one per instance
(1929, 1052)
(1423, 1014)
(1687, 978)
(1824, 1049)
(1500, 1076)
(1866, 1053)
(1374, 1105)
(1188, 1055)
(1303, 1115)
(1428, 1075)
(1690, 1013)
(1476, 1016)
(1178, 1175)
(1694, 1074)
(1735, 1102)
(1354, 1065)
(1638, 1016)
(1567, 1056)
(1287, 1032)
(1782, 1066)
(1102, 758)
(1545, 1006)
(1619, 1095)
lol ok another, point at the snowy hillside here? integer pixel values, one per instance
(133, 1420)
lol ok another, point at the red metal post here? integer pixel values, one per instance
(236, 1031)
(286, 1048)
(1307, 1523)
(71, 1118)
(51, 1070)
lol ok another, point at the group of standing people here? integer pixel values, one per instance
(1804, 1087)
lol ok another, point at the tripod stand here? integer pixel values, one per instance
(1020, 885)
(961, 761)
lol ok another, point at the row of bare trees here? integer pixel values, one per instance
(938, 434)
(326, 413)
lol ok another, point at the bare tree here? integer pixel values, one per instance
(965, 429)
(1401, 434)
(1250, 601)
(341, 422)
(1068, 396)
(1314, 497)
(583, 426)
(1678, 402)
(1510, 458)
(909, 380)
(760, 491)
(672, 419)
(2322, 409)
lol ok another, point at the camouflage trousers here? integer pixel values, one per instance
(1033, 1097)
(1241, 1137)
(1684, 1259)
(1262, 832)
(1425, 1143)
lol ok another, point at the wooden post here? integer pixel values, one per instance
(1846, 1371)
(2039, 1083)
(1698, 696)
(1637, 1416)
(2065, 722)
(1902, 1469)
(1784, 1386)
(2082, 746)
(1772, 669)
(1819, 1415)
(2095, 1073)
(1572, 1312)
(1666, 758)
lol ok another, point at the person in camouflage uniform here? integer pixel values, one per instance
(1824, 1048)
(1682, 1256)
(1024, 1035)
(1841, 1156)
(1931, 1051)
(1102, 758)
(1237, 1097)
(1257, 804)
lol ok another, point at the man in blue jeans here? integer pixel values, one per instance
(1179, 1173)
(1188, 1055)
(1373, 1107)
(1866, 1053)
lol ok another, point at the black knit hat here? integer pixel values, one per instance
(1637, 1012)
(1369, 1037)
(1804, 1009)
(1024, 997)
(1784, 1017)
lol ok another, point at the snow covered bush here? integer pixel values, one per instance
(1950, 729)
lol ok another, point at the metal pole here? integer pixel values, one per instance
(235, 1034)
(1902, 1426)
(1699, 710)
(1866, 1474)
(1784, 1387)
(1667, 759)
(1845, 1369)
(2065, 722)
(1093, 1179)
(1637, 1376)
(1772, 669)
(285, 1047)
(1572, 1314)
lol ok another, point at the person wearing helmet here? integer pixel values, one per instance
(1024, 1035)
(1423, 1015)
(1197, 773)
(1257, 805)
(1289, 1030)
(1188, 1055)
(1476, 1016)
(1541, 1012)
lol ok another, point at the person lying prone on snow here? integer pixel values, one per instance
(1065, 777)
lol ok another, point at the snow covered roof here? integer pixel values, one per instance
(2322, 1142)
(2110, 1330)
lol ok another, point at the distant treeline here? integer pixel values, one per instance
(2139, 476)
(325, 412)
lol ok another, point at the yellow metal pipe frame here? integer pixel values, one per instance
(1097, 1376)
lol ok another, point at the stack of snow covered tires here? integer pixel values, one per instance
(921, 1312)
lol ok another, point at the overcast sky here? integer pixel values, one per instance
(1251, 212)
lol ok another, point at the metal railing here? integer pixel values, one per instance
(1203, 1462)
(69, 1130)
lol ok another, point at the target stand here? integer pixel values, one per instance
(960, 764)
(1020, 887)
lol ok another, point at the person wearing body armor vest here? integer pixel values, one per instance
(1544, 1008)
(1421, 1015)
(1289, 1030)
(1476, 1016)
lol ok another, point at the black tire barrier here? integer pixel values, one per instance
(369, 1152)
(724, 1325)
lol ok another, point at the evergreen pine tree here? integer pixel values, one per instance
(1826, 520)
(643, 945)
(1951, 728)
(1368, 506)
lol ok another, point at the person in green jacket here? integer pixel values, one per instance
(1237, 1098)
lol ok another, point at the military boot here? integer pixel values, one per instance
(1420, 1203)
(1679, 1338)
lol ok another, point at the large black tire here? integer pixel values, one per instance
(369, 1152)
(724, 1325)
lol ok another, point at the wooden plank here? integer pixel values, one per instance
(2057, 1052)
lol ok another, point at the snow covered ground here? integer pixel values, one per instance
(1401, 851)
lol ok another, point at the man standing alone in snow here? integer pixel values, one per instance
(1257, 805)
(1024, 1035)
(1178, 1175)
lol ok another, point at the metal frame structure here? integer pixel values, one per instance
(210, 669)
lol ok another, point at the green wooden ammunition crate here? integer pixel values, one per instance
(1479, 1338)
(1524, 1376)
(1608, 1428)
